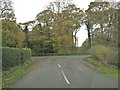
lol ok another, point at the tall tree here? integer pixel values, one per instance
(55, 26)
(12, 34)
(102, 18)
(6, 10)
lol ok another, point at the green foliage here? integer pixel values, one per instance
(104, 17)
(106, 69)
(53, 32)
(15, 73)
(102, 25)
(25, 54)
(13, 57)
(106, 55)
(85, 44)
(99, 52)
(112, 58)
(12, 35)
(6, 10)
(76, 51)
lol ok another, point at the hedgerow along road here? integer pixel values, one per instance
(64, 72)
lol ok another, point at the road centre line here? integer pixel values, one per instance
(63, 74)
(65, 78)
(59, 66)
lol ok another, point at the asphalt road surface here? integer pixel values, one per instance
(64, 72)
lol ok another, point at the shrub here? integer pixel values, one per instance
(13, 56)
(112, 58)
(99, 52)
(26, 54)
(105, 54)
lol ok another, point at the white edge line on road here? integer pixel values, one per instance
(65, 78)
(59, 66)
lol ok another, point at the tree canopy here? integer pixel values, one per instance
(54, 29)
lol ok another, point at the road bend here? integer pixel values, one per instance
(64, 72)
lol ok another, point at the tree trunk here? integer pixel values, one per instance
(89, 36)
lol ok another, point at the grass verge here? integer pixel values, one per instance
(15, 73)
(105, 69)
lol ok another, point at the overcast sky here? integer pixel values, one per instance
(26, 10)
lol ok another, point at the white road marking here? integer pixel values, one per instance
(59, 66)
(65, 78)
(63, 74)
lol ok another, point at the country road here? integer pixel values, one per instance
(64, 72)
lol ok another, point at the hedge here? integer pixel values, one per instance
(59, 54)
(12, 57)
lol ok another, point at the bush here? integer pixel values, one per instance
(105, 54)
(26, 54)
(13, 57)
(99, 52)
(112, 58)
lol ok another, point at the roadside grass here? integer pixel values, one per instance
(108, 70)
(15, 73)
